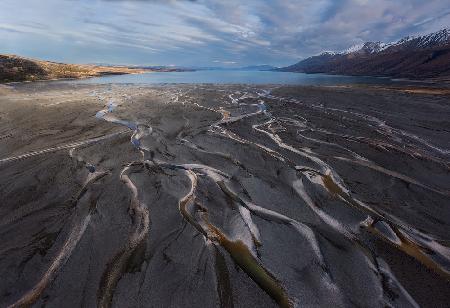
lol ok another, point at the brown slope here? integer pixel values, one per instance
(14, 68)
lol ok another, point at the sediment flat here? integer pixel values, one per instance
(223, 196)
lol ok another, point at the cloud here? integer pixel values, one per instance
(225, 62)
(198, 32)
(152, 1)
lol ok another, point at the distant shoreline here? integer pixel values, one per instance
(20, 69)
(16, 69)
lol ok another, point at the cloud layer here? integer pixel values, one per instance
(207, 32)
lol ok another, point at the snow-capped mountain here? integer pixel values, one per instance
(367, 48)
(438, 38)
(413, 57)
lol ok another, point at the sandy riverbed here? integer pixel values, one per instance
(205, 196)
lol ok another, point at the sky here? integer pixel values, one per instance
(207, 32)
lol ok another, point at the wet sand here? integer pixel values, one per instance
(223, 196)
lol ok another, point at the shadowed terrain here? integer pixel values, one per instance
(223, 196)
(424, 57)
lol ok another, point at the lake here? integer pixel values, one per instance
(238, 77)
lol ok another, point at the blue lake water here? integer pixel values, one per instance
(238, 77)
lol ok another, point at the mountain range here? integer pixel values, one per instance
(415, 57)
(263, 67)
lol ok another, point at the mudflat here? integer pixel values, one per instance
(223, 195)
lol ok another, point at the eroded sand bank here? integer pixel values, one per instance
(204, 196)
